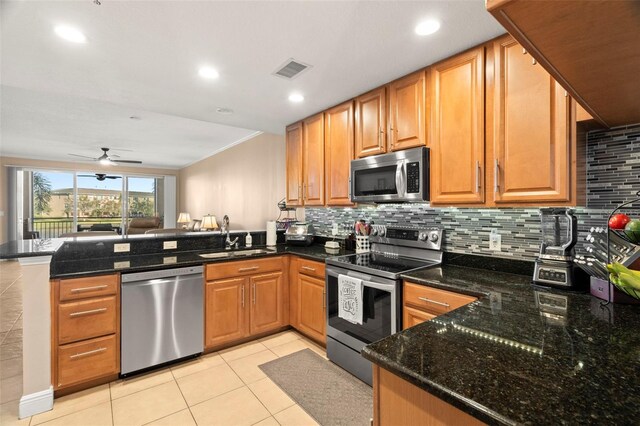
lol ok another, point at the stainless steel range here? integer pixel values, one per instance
(376, 275)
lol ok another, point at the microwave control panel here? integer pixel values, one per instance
(413, 178)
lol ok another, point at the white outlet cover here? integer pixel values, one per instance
(170, 245)
(121, 248)
(170, 260)
(495, 240)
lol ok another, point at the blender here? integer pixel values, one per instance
(554, 266)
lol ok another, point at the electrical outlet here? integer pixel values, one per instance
(334, 228)
(169, 260)
(121, 265)
(170, 245)
(121, 248)
(495, 240)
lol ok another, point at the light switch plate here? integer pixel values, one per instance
(170, 245)
(121, 248)
(495, 240)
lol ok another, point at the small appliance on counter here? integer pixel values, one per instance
(554, 266)
(301, 234)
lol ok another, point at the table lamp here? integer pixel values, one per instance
(184, 218)
(209, 222)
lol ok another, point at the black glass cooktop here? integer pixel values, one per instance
(379, 263)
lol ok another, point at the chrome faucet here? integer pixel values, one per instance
(229, 244)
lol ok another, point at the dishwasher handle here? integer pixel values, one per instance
(162, 273)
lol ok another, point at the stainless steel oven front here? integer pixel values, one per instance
(394, 177)
(382, 316)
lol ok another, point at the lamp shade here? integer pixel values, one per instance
(209, 222)
(184, 218)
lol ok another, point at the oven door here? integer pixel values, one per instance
(381, 310)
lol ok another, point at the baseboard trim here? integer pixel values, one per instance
(36, 403)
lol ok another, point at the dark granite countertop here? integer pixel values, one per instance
(144, 262)
(505, 360)
(30, 248)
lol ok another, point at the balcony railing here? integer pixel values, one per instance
(53, 227)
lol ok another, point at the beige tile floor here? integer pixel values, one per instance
(222, 388)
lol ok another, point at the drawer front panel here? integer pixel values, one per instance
(216, 271)
(85, 319)
(87, 360)
(311, 268)
(432, 299)
(81, 288)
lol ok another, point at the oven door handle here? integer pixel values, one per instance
(400, 179)
(391, 288)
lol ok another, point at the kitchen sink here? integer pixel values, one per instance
(224, 254)
(252, 252)
(216, 255)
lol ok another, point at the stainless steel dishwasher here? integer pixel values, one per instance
(162, 317)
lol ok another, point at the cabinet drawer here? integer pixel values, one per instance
(311, 268)
(87, 360)
(217, 271)
(85, 319)
(432, 299)
(80, 288)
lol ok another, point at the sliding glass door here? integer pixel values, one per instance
(99, 202)
(48, 205)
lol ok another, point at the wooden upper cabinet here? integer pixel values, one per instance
(407, 112)
(371, 123)
(313, 160)
(338, 148)
(294, 164)
(456, 91)
(532, 138)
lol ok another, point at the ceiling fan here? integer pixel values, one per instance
(101, 176)
(106, 159)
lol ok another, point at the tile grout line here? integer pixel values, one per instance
(183, 397)
(113, 421)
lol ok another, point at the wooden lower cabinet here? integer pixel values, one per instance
(398, 402)
(412, 316)
(312, 307)
(85, 330)
(239, 307)
(422, 303)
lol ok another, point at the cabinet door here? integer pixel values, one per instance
(294, 164)
(412, 316)
(311, 308)
(457, 129)
(225, 311)
(338, 148)
(371, 123)
(532, 141)
(313, 163)
(267, 302)
(406, 112)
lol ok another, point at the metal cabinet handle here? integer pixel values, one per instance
(250, 268)
(243, 295)
(524, 51)
(81, 354)
(477, 177)
(424, 299)
(533, 61)
(308, 268)
(496, 174)
(380, 136)
(92, 311)
(299, 192)
(304, 191)
(97, 287)
(254, 293)
(324, 299)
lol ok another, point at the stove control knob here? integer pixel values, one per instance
(374, 232)
(433, 237)
(422, 236)
(382, 231)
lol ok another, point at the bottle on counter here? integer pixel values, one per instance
(248, 240)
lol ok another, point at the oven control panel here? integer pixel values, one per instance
(430, 238)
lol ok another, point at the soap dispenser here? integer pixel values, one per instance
(248, 240)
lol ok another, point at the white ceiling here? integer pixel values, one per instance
(142, 59)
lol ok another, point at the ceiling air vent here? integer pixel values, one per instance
(291, 69)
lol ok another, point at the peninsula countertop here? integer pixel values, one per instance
(506, 360)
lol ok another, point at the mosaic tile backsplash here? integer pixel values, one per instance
(613, 177)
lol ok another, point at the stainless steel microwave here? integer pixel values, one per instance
(401, 176)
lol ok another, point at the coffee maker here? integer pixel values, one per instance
(554, 266)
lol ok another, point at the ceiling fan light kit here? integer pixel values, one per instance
(107, 160)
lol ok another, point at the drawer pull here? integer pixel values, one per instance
(250, 268)
(92, 311)
(308, 268)
(81, 354)
(424, 299)
(97, 287)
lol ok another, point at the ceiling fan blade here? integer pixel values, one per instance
(91, 176)
(127, 161)
(113, 177)
(83, 156)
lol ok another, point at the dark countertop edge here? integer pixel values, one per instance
(281, 250)
(463, 403)
(14, 256)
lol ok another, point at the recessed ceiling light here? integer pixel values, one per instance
(71, 34)
(224, 111)
(427, 27)
(208, 72)
(296, 97)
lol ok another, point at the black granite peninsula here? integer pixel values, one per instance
(519, 354)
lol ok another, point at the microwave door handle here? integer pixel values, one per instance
(400, 179)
